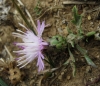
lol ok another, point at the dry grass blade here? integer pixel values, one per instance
(27, 12)
(60, 70)
(11, 57)
(40, 81)
(79, 2)
(2, 63)
(51, 8)
(51, 70)
(23, 16)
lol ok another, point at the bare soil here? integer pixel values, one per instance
(58, 16)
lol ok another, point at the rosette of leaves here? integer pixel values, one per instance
(72, 39)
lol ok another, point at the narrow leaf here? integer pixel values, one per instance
(71, 56)
(89, 61)
(83, 51)
(73, 68)
(67, 62)
(77, 18)
(90, 33)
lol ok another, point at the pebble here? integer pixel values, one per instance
(60, 77)
(88, 69)
(89, 17)
(68, 77)
(98, 56)
(62, 73)
(91, 23)
(65, 32)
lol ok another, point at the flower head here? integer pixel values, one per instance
(32, 46)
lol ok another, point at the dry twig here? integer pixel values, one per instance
(51, 8)
(11, 57)
(79, 2)
(28, 14)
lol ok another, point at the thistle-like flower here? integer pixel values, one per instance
(32, 46)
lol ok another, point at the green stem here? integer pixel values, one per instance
(71, 55)
(49, 61)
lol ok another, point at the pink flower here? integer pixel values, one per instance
(32, 46)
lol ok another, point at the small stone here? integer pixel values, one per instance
(88, 69)
(91, 23)
(97, 36)
(62, 73)
(60, 77)
(89, 17)
(98, 56)
(65, 32)
(63, 21)
(68, 77)
(83, 60)
(64, 13)
(65, 70)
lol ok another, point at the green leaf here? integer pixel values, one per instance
(84, 52)
(73, 68)
(89, 61)
(70, 39)
(77, 18)
(2, 83)
(71, 56)
(49, 61)
(67, 62)
(37, 10)
(90, 33)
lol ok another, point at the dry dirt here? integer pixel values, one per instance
(58, 16)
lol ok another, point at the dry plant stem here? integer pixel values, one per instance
(33, 23)
(92, 10)
(78, 2)
(11, 57)
(60, 70)
(51, 70)
(48, 10)
(23, 16)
